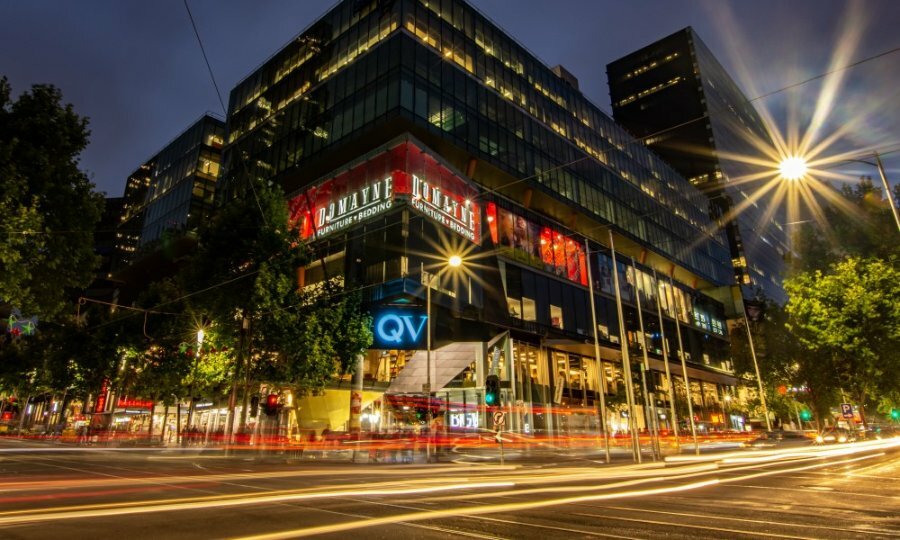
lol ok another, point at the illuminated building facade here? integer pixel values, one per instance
(406, 131)
(182, 181)
(678, 96)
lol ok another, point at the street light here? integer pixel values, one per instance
(793, 168)
(201, 334)
(454, 261)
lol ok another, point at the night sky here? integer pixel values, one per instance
(135, 69)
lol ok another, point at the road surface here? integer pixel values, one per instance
(845, 491)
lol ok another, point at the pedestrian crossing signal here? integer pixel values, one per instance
(492, 390)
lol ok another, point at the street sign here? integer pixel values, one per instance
(846, 410)
(499, 419)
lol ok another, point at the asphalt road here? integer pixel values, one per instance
(66, 493)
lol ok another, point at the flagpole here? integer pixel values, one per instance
(626, 359)
(601, 388)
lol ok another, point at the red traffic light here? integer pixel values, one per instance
(271, 404)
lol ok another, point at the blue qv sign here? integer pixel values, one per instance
(399, 329)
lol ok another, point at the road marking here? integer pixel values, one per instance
(498, 520)
(413, 525)
(689, 526)
(804, 490)
(747, 520)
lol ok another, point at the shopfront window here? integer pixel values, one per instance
(383, 366)
(529, 309)
(541, 247)
(556, 317)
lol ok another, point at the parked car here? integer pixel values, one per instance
(878, 432)
(779, 439)
(836, 436)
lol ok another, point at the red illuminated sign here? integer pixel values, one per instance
(129, 403)
(100, 403)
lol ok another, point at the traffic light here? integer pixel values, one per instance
(271, 406)
(895, 414)
(805, 415)
(492, 390)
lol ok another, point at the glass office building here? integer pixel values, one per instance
(131, 220)
(676, 96)
(406, 131)
(182, 181)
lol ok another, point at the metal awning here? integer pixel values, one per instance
(446, 363)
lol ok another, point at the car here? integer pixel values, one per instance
(836, 436)
(878, 432)
(779, 439)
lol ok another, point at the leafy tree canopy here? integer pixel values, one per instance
(849, 317)
(48, 204)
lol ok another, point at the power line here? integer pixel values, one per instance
(827, 73)
(224, 109)
(205, 57)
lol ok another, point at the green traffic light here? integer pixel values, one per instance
(895, 414)
(489, 398)
(805, 416)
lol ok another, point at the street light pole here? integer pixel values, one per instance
(200, 335)
(453, 262)
(762, 392)
(887, 189)
(428, 415)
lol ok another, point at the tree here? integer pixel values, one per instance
(850, 317)
(784, 363)
(48, 205)
(246, 269)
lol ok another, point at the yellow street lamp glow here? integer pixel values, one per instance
(455, 261)
(200, 335)
(793, 168)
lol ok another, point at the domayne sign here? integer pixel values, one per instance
(354, 207)
(359, 194)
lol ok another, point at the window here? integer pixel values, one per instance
(529, 309)
(556, 317)
(515, 307)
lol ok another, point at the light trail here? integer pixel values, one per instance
(228, 477)
(456, 512)
(521, 506)
(759, 455)
(34, 517)
(446, 479)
